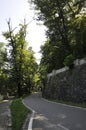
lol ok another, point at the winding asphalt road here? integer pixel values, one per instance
(55, 116)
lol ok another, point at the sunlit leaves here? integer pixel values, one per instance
(22, 61)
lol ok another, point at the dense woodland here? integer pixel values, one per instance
(17, 63)
(65, 21)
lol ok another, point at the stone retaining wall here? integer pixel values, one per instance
(67, 84)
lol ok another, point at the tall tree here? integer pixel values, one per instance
(57, 16)
(78, 33)
(66, 30)
(21, 59)
(3, 69)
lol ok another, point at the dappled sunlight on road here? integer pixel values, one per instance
(40, 117)
(43, 123)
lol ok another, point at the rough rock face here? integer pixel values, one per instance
(67, 84)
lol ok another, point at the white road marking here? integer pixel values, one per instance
(31, 118)
(61, 126)
(31, 121)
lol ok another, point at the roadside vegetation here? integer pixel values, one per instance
(65, 22)
(17, 63)
(69, 103)
(19, 113)
(20, 74)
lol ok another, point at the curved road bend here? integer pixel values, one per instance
(55, 116)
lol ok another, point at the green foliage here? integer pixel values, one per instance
(65, 24)
(78, 26)
(19, 113)
(68, 61)
(66, 29)
(21, 60)
(3, 69)
(42, 74)
(2, 54)
(37, 82)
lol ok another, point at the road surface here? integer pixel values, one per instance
(55, 116)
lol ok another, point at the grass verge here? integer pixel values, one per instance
(19, 113)
(83, 105)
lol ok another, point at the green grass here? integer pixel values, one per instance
(19, 113)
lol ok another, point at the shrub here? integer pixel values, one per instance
(68, 61)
